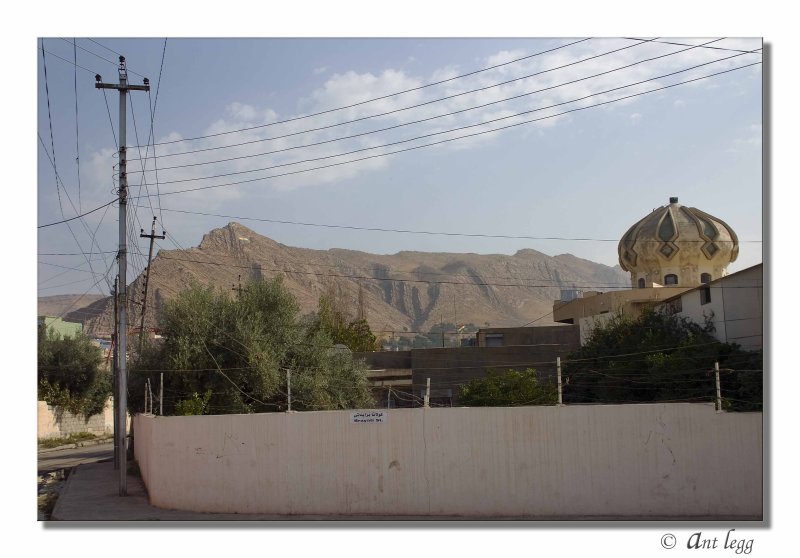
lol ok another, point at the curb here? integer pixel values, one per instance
(77, 445)
(56, 508)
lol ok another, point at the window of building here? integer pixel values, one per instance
(494, 339)
(641, 283)
(705, 292)
(671, 279)
(674, 306)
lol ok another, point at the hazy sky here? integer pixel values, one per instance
(560, 168)
(590, 173)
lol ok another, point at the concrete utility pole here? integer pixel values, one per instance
(122, 261)
(114, 374)
(558, 370)
(289, 389)
(719, 394)
(152, 236)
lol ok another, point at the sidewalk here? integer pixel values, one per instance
(91, 493)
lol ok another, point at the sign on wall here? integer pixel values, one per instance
(369, 417)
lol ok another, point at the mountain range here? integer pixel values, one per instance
(407, 291)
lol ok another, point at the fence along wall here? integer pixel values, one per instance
(637, 461)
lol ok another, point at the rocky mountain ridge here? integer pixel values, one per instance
(407, 291)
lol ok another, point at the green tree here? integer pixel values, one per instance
(69, 376)
(660, 357)
(334, 319)
(509, 389)
(239, 349)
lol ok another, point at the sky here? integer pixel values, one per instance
(589, 173)
(479, 138)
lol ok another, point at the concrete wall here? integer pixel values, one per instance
(51, 424)
(593, 461)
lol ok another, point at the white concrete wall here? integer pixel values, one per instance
(654, 460)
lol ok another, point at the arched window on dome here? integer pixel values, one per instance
(671, 279)
(641, 283)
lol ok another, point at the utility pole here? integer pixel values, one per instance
(558, 370)
(238, 288)
(289, 389)
(122, 261)
(152, 236)
(114, 341)
(161, 397)
(427, 399)
(719, 395)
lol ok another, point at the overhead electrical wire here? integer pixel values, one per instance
(455, 138)
(396, 126)
(403, 231)
(479, 124)
(70, 62)
(663, 42)
(53, 159)
(375, 98)
(92, 241)
(395, 110)
(78, 216)
(77, 135)
(372, 278)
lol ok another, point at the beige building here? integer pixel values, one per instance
(670, 251)
(733, 304)
(629, 302)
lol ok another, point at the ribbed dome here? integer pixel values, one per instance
(677, 245)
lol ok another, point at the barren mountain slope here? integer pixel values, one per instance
(409, 291)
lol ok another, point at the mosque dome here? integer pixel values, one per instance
(677, 245)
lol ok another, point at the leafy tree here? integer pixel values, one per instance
(334, 319)
(512, 388)
(660, 357)
(239, 350)
(70, 377)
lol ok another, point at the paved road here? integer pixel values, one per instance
(54, 460)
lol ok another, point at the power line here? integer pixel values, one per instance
(69, 62)
(455, 138)
(61, 207)
(375, 98)
(483, 123)
(50, 122)
(685, 44)
(77, 216)
(350, 276)
(432, 117)
(105, 47)
(73, 253)
(404, 231)
(77, 136)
